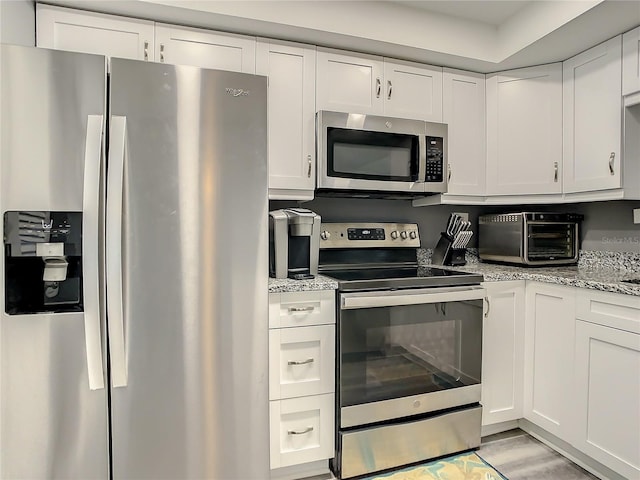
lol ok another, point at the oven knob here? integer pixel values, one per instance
(325, 235)
(413, 235)
(404, 235)
(394, 235)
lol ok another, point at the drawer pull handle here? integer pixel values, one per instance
(300, 309)
(303, 362)
(300, 432)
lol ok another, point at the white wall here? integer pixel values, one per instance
(18, 22)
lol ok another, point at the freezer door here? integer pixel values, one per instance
(189, 339)
(53, 404)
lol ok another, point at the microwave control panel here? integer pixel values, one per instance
(435, 159)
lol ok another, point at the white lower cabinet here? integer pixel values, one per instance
(502, 353)
(301, 430)
(301, 378)
(548, 365)
(607, 380)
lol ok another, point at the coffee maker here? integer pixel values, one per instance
(294, 240)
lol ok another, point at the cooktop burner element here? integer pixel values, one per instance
(377, 256)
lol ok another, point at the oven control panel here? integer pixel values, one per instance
(369, 235)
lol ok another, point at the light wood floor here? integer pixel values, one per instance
(519, 456)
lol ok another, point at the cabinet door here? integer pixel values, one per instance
(631, 62)
(524, 131)
(412, 90)
(464, 111)
(592, 115)
(503, 352)
(348, 83)
(291, 69)
(205, 48)
(88, 32)
(302, 430)
(549, 344)
(607, 371)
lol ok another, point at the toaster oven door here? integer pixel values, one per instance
(551, 242)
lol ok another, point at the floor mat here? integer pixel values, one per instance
(466, 466)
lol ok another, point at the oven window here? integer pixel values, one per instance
(394, 352)
(550, 241)
(372, 155)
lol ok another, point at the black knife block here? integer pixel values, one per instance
(445, 254)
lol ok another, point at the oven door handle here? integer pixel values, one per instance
(350, 301)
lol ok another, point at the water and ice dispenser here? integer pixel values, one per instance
(43, 262)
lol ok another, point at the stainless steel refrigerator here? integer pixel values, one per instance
(133, 332)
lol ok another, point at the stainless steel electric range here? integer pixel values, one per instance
(409, 350)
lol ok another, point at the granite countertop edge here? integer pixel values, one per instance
(605, 280)
(602, 279)
(286, 285)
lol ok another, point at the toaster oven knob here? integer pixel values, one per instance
(413, 235)
(404, 235)
(324, 235)
(394, 235)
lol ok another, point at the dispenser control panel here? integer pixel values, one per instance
(43, 261)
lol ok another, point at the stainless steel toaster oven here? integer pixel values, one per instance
(530, 238)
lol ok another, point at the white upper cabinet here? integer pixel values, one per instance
(375, 85)
(464, 111)
(205, 48)
(88, 32)
(592, 112)
(631, 62)
(412, 90)
(524, 131)
(348, 83)
(291, 69)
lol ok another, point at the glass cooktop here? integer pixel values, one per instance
(404, 277)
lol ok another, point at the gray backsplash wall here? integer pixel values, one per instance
(608, 226)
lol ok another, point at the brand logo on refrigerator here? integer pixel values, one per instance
(47, 226)
(237, 92)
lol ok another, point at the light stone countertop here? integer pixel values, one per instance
(277, 285)
(597, 271)
(603, 279)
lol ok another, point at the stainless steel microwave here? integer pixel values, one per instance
(530, 238)
(368, 153)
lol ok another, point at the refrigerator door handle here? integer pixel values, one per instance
(115, 176)
(90, 250)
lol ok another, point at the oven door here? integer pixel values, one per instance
(551, 242)
(408, 352)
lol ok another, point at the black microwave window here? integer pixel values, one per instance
(372, 155)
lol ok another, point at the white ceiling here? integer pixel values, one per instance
(491, 12)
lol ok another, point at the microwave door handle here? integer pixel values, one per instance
(350, 301)
(422, 158)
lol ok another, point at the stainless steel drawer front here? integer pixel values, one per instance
(374, 449)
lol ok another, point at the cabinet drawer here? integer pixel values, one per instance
(301, 430)
(609, 309)
(301, 361)
(299, 309)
